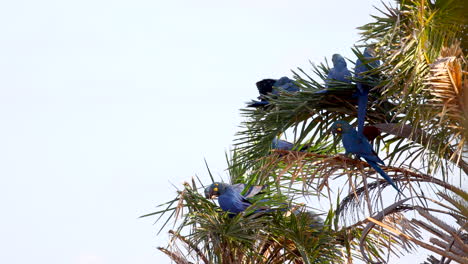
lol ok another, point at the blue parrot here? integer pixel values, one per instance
(281, 144)
(368, 63)
(265, 87)
(286, 84)
(339, 72)
(230, 198)
(357, 144)
(285, 145)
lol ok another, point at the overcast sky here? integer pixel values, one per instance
(105, 104)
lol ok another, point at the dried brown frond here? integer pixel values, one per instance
(419, 136)
(189, 245)
(365, 185)
(447, 241)
(175, 256)
(447, 85)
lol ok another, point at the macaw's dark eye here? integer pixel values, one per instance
(215, 189)
(339, 129)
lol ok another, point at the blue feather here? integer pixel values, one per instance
(258, 103)
(265, 88)
(358, 144)
(285, 84)
(339, 72)
(232, 201)
(281, 144)
(363, 95)
(363, 89)
(383, 174)
(286, 145)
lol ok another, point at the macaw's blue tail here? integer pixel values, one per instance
(383, 174)
(363, 95)
(258, 103)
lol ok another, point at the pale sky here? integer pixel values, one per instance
(105, 104)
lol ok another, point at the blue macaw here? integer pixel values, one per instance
(231, 200)
(357, 144)
(281, 144)
(284, 145)
(339, 72)
(368, 63)
(285, 84)
(265, 87)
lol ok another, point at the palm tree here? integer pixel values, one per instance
(420, 104)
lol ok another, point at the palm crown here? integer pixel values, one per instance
(419, 104)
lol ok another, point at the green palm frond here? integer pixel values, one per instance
(411, 41)
(215, 237)
(308, 114)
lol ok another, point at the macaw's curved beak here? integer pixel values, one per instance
(210, 193)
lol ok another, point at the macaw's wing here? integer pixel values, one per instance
(254, 190)
(233, 202)
(281, 144)
(286, 84)
(332, 77)
(335, 76)
(367, 152)
(239, 187)
(251, 192)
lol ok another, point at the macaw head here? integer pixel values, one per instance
(265, 86)
(340, 127)
(215, 190)
(338, 61)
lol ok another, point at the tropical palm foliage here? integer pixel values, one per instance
(419, 102)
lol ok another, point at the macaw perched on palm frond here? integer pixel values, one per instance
(285, 84)
(265, 88)
(230, 198)
(357, 144)
(364, 64)
(339, 72)
(285, 145)
(281, 144)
